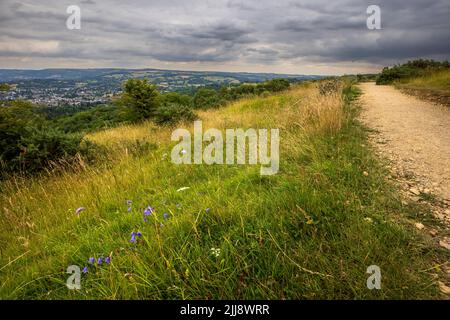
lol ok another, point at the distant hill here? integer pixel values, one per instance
(85, 74)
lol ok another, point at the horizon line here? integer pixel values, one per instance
(158, 69)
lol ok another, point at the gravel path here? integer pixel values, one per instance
(415, 134)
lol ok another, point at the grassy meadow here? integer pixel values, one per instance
(308, 232)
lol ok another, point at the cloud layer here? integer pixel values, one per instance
(316, 37)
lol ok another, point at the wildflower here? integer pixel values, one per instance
(183, 151)
(148, 211)
(129, 203)
(207, 210)
(91, 260)
(215, 252)
(145, 219)
(85, 270)
(78, 211)
(133, 236)
(166, 215)
(367, 219)
(107, 260)
(99, 261)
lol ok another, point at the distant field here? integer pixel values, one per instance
(308, 232)
(433, 86)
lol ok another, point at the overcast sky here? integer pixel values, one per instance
(308, 37)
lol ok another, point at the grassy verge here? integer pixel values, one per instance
(433, 86)
(308, 232)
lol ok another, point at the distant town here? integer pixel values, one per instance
(85, 87)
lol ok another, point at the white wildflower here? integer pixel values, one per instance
(215, 252)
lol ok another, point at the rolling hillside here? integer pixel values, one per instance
(142, 227)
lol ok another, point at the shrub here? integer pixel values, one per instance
(328, 87)
(43, 147)
(177, 98)
(210, 98)
(276, 85)
(410, 69)
(29, 143)
(173, 113)
(17, 119)
(206, 98)
(85, 121)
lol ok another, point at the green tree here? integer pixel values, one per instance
(176, 98)
(142, 97)
(4, 87)
(206, 98)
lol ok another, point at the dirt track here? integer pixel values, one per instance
(414, 134)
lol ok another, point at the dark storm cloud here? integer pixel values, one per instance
(323, 23)
(338, 33)
(223, 32)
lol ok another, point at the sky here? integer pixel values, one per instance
(294, 36)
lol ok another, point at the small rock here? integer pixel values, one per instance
(447, 271)
(433, 232)
(419, 225)
(444, 244)
(444, 288)
(365, 173)
(440, 216)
